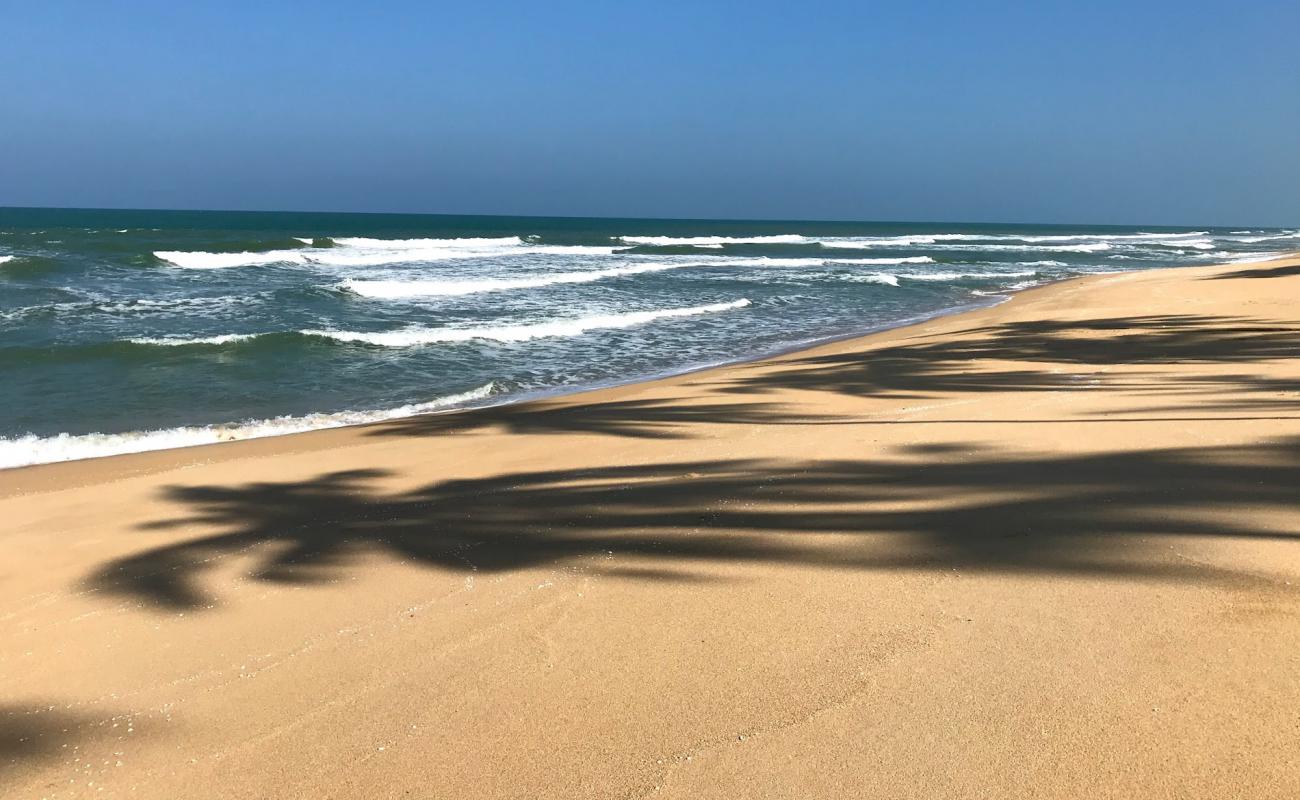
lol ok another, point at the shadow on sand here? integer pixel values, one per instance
(41, 732)
(1012, 357)
(937, 508)
(965, 507)
(1031, 355)
(1264, 272)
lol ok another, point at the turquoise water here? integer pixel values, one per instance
(130, 330)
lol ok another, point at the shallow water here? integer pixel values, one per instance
(132, 330)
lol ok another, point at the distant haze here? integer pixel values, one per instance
(1105, 112)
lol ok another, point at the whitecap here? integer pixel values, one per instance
(204, 260)
(181, 341)
(954, 276)
(395, 289)
(714, 241)
(408, 337)
(359, 252)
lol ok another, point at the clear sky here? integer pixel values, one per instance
(1104, 111)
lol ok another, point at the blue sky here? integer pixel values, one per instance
(1124, 112)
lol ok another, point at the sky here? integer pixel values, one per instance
(1088, 112)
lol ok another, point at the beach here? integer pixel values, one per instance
(1042, 549)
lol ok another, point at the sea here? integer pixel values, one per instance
(124, 331)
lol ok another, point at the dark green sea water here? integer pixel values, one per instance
(133, 330)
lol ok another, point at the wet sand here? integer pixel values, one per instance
(1047, 549)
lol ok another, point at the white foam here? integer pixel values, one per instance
(715, 241)
(962, 241)
(390, 290)
(6, 259)
(868, 242)
(204, 260)
(409, 337)
(1114, 237)
(189, 306)
(1270, 238)
(878, 277)
(180, 341)
(992, 239)
(953, 276)
(1253, 258)
(357, 252)
(30, 449)
(772, 261)
(906, 260)
(430, 244)
(1089, 247)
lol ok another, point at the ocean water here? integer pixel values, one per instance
(123, 331)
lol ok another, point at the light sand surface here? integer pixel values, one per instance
(1049, 549)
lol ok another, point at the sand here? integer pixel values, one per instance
(1047, 549)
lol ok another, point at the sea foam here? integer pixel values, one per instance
(409, 337)
(714, 241)
(24, 450)
(359, 252)
(394, 289)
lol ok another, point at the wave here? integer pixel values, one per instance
(992, 239)
(1089, 247)
(868, 242)
(390, 290)
(358, 252)
(956, 276)
(23, 266)
(410, 337)
(1114, 237)
(893, 279)
(714, 241)
(31, 449)
(1269, 238)
(875, 277)
(181, 341)
(204, 260)
(397, 289)
(772, 261)
(189, 306)
(1253, 258)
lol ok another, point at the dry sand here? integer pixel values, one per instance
(1049, 549)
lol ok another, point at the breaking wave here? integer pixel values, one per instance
(24, 450)
(450, 288)
(359, 252)
(410, 337)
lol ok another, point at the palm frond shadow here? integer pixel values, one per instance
(1036, 350)
(641, 419)
(1262, 272)
(40, 732)
(934, 509)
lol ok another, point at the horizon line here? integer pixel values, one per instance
(635, 218)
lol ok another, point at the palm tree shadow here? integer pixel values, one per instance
(30, 733)
(1263, 272)
(641, 419)
(1036, 356)
(982, 510)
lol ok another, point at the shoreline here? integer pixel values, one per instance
(574, 394)
(547, 395)
(887, 566)
(523, 398)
